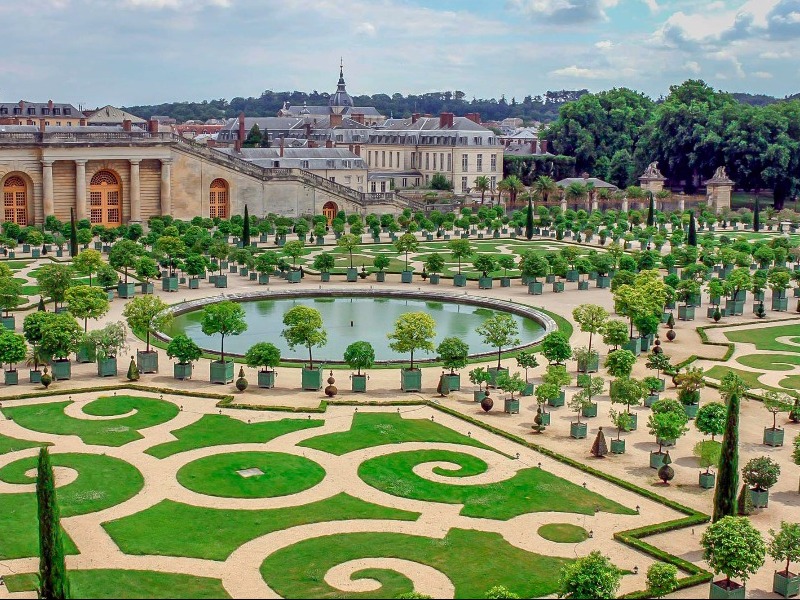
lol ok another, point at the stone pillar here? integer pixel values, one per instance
(80, 189)
(625, 204)
(719, 189)
(681, 203)
(48, 202)
(136, 192)
(166, 186)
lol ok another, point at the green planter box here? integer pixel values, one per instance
(380, 276)
(312, 379)
(411, 381)
(194, 284)
(573, 276)
(691, 410)
(358, 383)
(550, 279)
(107, 367)
(589, 364)
(352, 275)
(324, 277)
(12, 377)
(266, 379)
(263, 278)
(578, 430)
(8, 323)
(35, 376)
(212, 278)
(505, 282)
(453, 381)
(126, 290)
(169, 284)
(435, 279)
(634, 422)
(493, 374)
(634, 346)
(86, 353)
(221, 281)
(406, 277)
(603, 281)
(707, 480)
(511, 406)
(147, 362)
(617, 446)
(686, 313)
(147, 289)
(773, 437)
(590, 410)
(558, 401)
(294, 276)
(244, 271)
(221, 372)
(734, 307)
(645, 342)
(760, 498)
(535, 288)
(583, 286)
(61, 369)
(545, 419)
(780, 304)
(460, 280)
(182, 371)
(528, 391)
(558, 287)
(786, 584)
(232, 269)
(110, 295)
(485, 283)
(26, 248)
(320, 241)
(657, 459)
(478, 395)
(650, 400)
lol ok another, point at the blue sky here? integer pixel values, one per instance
(126, 52)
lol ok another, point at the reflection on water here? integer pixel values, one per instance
(349, 319)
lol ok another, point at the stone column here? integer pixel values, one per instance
(625, 204)
(166, 186)
(136, 193)
(48, 201)
(80, 189)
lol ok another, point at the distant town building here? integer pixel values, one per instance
(40, 114)
(111, 115)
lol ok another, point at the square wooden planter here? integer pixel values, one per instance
(657, 459)
(126, 290)
(182, 371)
(707, 480)
(194, 284)
(8, 322)
(786, 584)
(266, 379)
(147, 362)
(86, 353)
(773, 437)
(312, 379)
(718, 591)
(494, 372)
(578, 430)
(618, 446)
(352, 275)
(411, 380)
(263, 278)
(485, 283)
(221, 281)
(535, 288)
(61, 369)
(453, 381)
(380, 276)
(107, 367)
(460, 280)
(406, 277)
(511, 406)
(35, 376)
(11, 377)
(558, 401)
(435, 278)
(294, 276)
(590, 410)
(760, 498)
(358, 383)
(221, 372)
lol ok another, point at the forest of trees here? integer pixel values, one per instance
(532, 108)
(614, 135)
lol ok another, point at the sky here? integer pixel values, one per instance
(131, 52)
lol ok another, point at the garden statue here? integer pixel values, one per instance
(241, 382)
(331, 390)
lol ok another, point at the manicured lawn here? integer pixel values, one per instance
(377, 429)
(174, 529)
(9, 444)
(529, 490)
(102, 482)
(770, 362)
(766, 338)
(219, 430)
(120, 583)
(563, 533)
(474, 561)
(282, 474)
(50, 418)
(749, 377)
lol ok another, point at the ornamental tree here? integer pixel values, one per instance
(761, 473)
(53, 280)
(109, 340)
(413, 331)
(263, 354)
(303, 327)
(734, 548)
(453, 353)
(710, 419)
(381, 262)
(294, 250)
(53, 579)
(406, 243)
(460, 250)
(499, 331)
(12, 348)
(628, 391)
(533, 265)
(86, 302)
(349, 242)
(146, 314)
(615, 333)
(728, 475)
(584, 397)
(33, 327)
(662, 579)
(434, 263)
(619, 363)
(60, 336)
(360, 355)
(124, 255)
(172, 248)
(667, 421)
(592, 576)
(591, 318)
(506, 262)
(556, 348)
(485, 264)
(324, 262)
(265, 263)
(785, 545)
(527, 360)
(146, 269)
(184, 349)
(511, 383)
(777, 403)
(224, 318)
(10, 293)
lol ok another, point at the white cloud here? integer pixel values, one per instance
(576, 72)
(775, 55)
(174, 4)
(693, 67)
(367, 29)
(564, 12)
(604, 45)
(762, 75)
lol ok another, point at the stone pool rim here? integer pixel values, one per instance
(547, 323)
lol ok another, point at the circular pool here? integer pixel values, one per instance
(349, 316)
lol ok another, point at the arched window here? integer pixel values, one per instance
(329, 211)
(15, 200)
(105, 199)
(218, 199)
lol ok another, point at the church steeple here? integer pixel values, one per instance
(341, 87)
(341, 101)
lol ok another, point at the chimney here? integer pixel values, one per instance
(242, 133)
(312, 144)
(358, 117)
(336, 120)
(357, 150)
(126, 125)
(237, 146)
(543, 146)
(152, 126)
(50, 106)
(22, 104)
(474, 117)
(282, 142)
(443, 122)
(533, 147)
(82, 122)
(41, 126)
(328, 143)
(308, 130)
(414, 118)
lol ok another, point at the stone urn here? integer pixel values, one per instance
(487, 403)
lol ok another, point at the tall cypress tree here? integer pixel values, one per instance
(728, 480)
(73, 234)
(651, 210)
(529, 220)
(53, 580)
(246, 229)
(757, 216)
(692, 241)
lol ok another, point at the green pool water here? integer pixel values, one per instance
(349, 319)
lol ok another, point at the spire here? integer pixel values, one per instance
(341, 87)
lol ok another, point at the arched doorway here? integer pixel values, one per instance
(15, 200)
(329, 211)
(105, 199)
(218, 199)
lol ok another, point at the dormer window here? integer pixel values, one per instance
(17, 110)
(67, 111)
(45, 111)
(3, 110)
(56, 111)
(31, 110)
